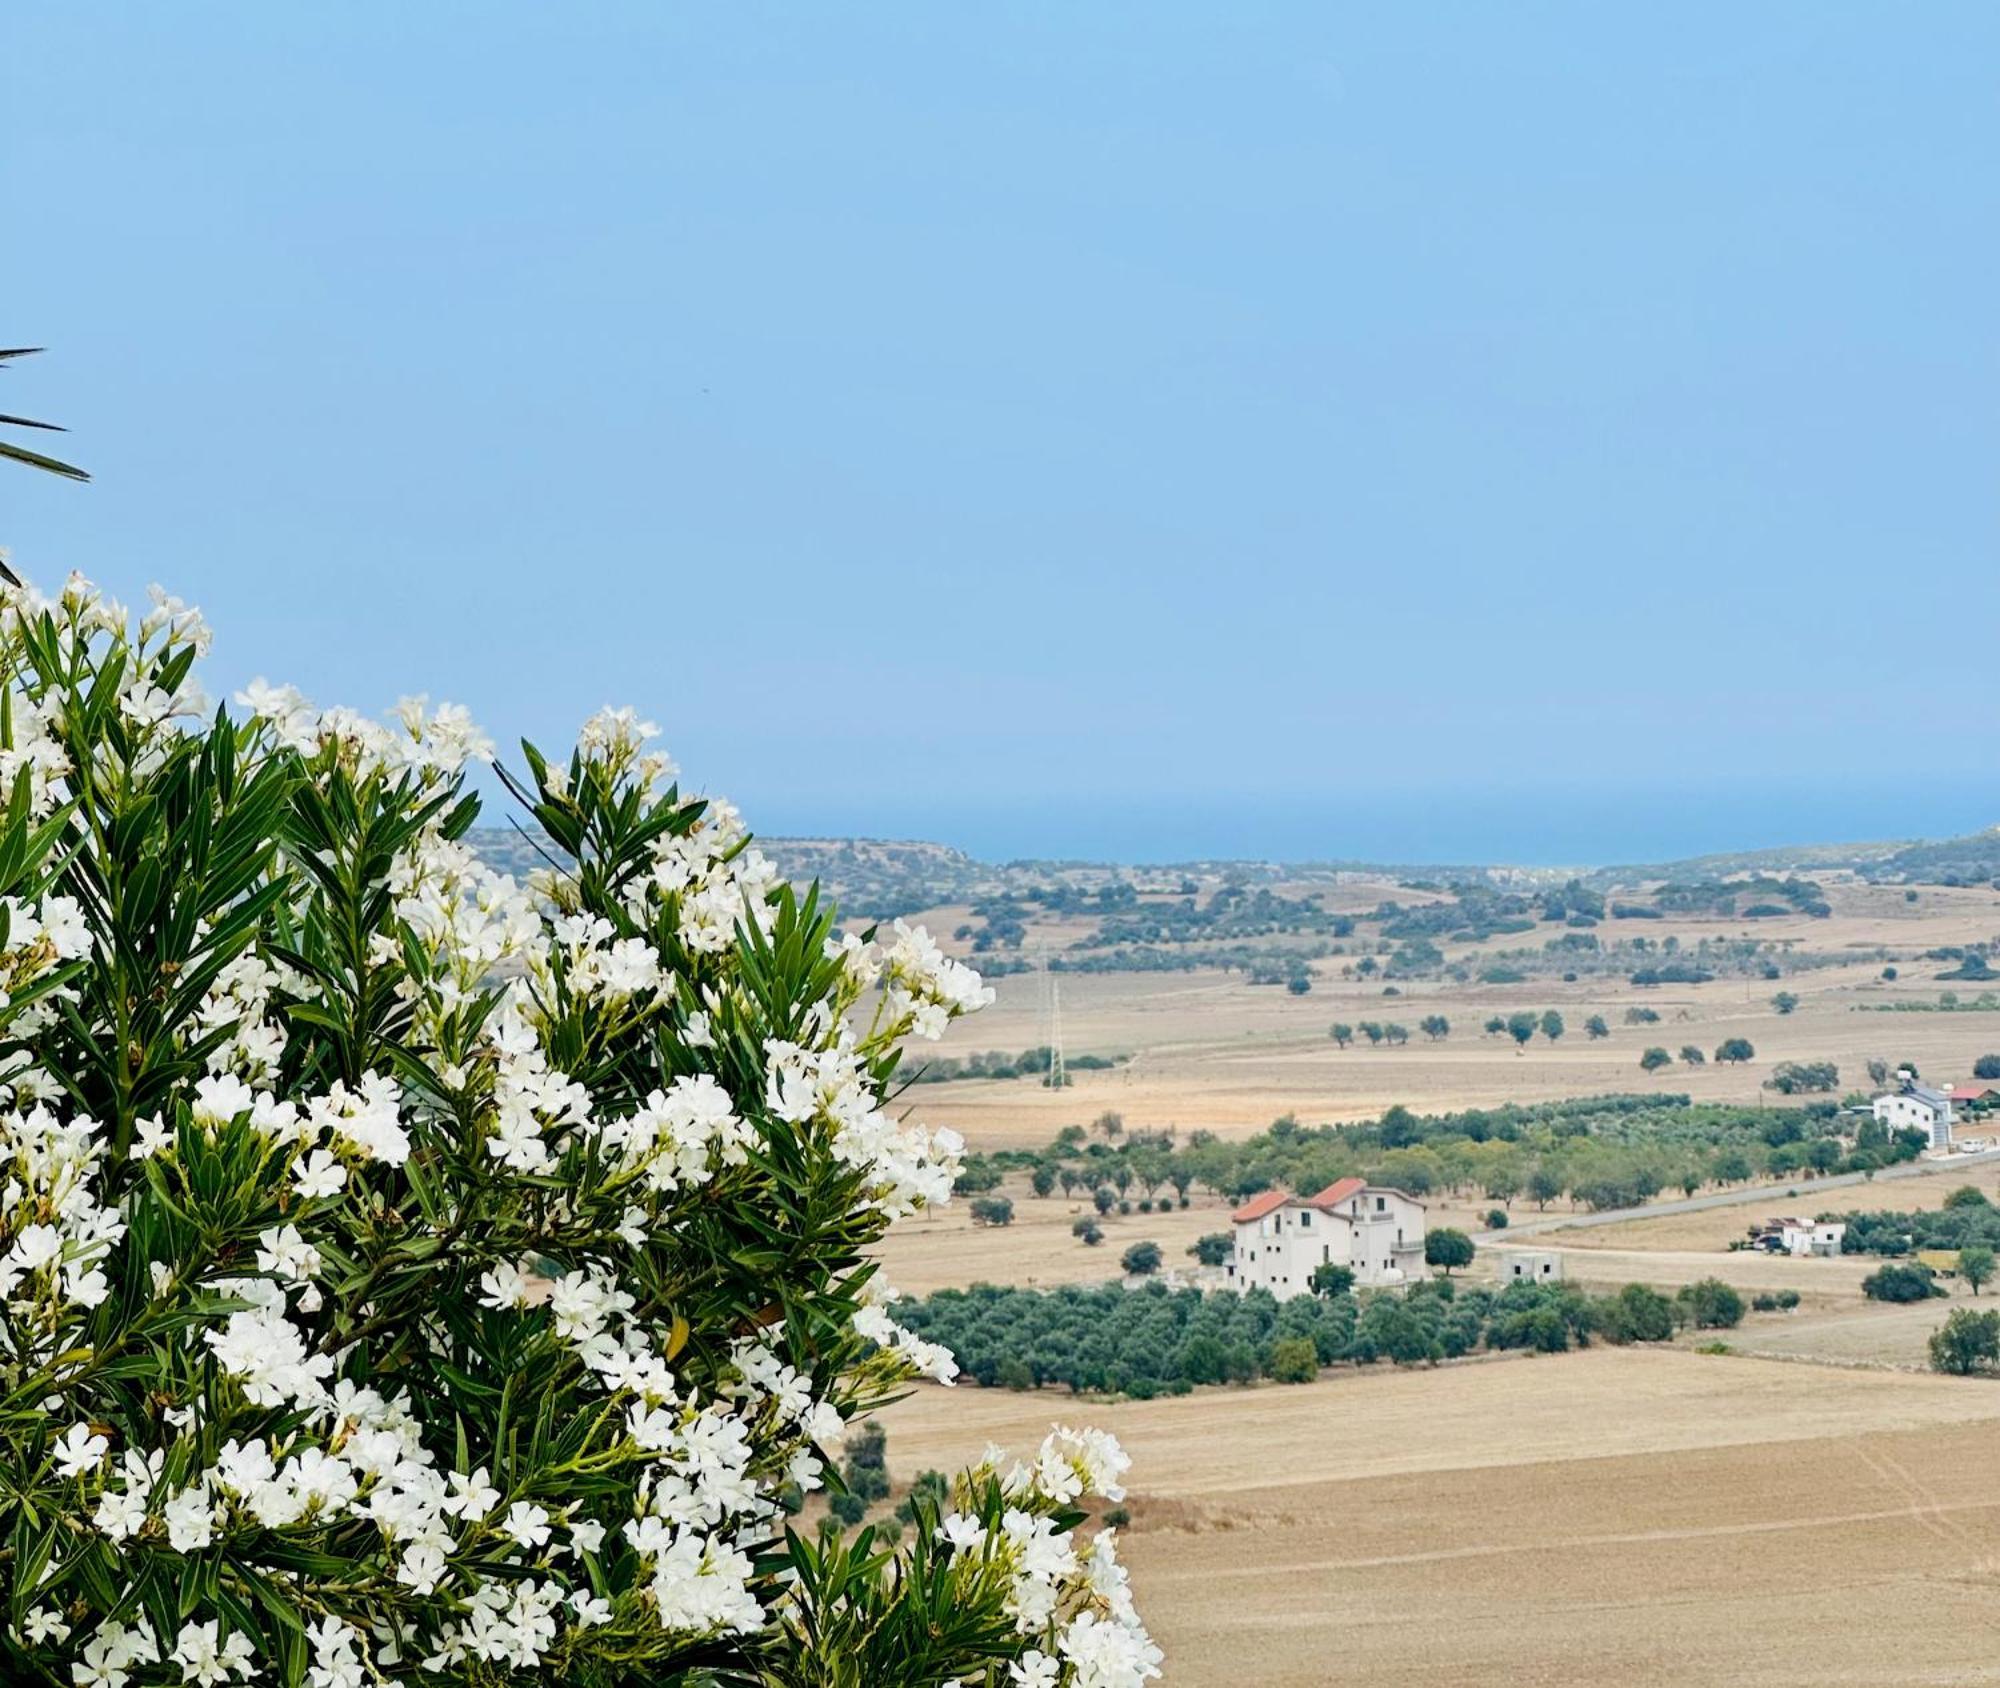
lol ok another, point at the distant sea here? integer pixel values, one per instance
(1550, 827)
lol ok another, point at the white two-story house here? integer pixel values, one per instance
(1282, 1238)
(1918, 1105)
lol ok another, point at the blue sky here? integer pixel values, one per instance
(1551, 432)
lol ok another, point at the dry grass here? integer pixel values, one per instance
(1603, 1268)
(1618, 1516)
(1208, 1049)
(945, 1249)
(1848, 1333)
(1718, 1227)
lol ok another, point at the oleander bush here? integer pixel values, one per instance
(412, 1276)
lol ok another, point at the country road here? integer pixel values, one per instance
(1743, 1197)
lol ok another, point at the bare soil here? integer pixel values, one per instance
(1617, 1516)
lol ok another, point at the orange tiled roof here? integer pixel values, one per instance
(1271, 1200)
(1257, 1206)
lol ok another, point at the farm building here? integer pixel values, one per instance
(1281, 1238)
(1919, 1106)
(1521, 1266)
(1786, 1235)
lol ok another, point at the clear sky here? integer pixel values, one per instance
(1550, 432)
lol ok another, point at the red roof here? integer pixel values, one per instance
(1271, 1200)
(1971, 1092)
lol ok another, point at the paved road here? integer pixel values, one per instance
(1744, 1197)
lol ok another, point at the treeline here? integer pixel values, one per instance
(1154, 1341)
(1967, 1220)
(997, 1063)
(1602, 1152)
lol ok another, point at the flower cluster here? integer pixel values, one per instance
(410, 1275)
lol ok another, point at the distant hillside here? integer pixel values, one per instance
(1972, 860)
(1725, 864)
(870, 879)
(875, 879)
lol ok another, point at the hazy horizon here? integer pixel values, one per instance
(1515, 829)
(1138, 430)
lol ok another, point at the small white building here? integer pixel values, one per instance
(1920, 1107)
(1520, 1266)
(1821, 1237)
(1282, 1238)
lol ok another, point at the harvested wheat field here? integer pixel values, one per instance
(1845, 1333)
(1617, 1517)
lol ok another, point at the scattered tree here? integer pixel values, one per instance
(1142, 1259)
(1734, 1051)
(1552, 1025)
(1521, 1026)
(1711, 1304)
(1975, 1266)
(1214, 1249)
(1784, 1002)
(1901, 1281)
(1794, 1078)
(1447, 1249)
(1966, 1342)
(991, 1210)
(1343, 1033)
(1595, 1027)
(1654, 1059)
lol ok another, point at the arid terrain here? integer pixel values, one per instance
(1208, 1049)
(1812, 1506)
(1618, 1516)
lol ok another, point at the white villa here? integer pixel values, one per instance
(1282, 1238)
(1920, 1106)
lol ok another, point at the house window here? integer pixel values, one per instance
(1381, 1204)
(1305, 1219)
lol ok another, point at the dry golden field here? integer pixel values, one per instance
(1813, 1507)
(1207, 1049)
(1613, 1517)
